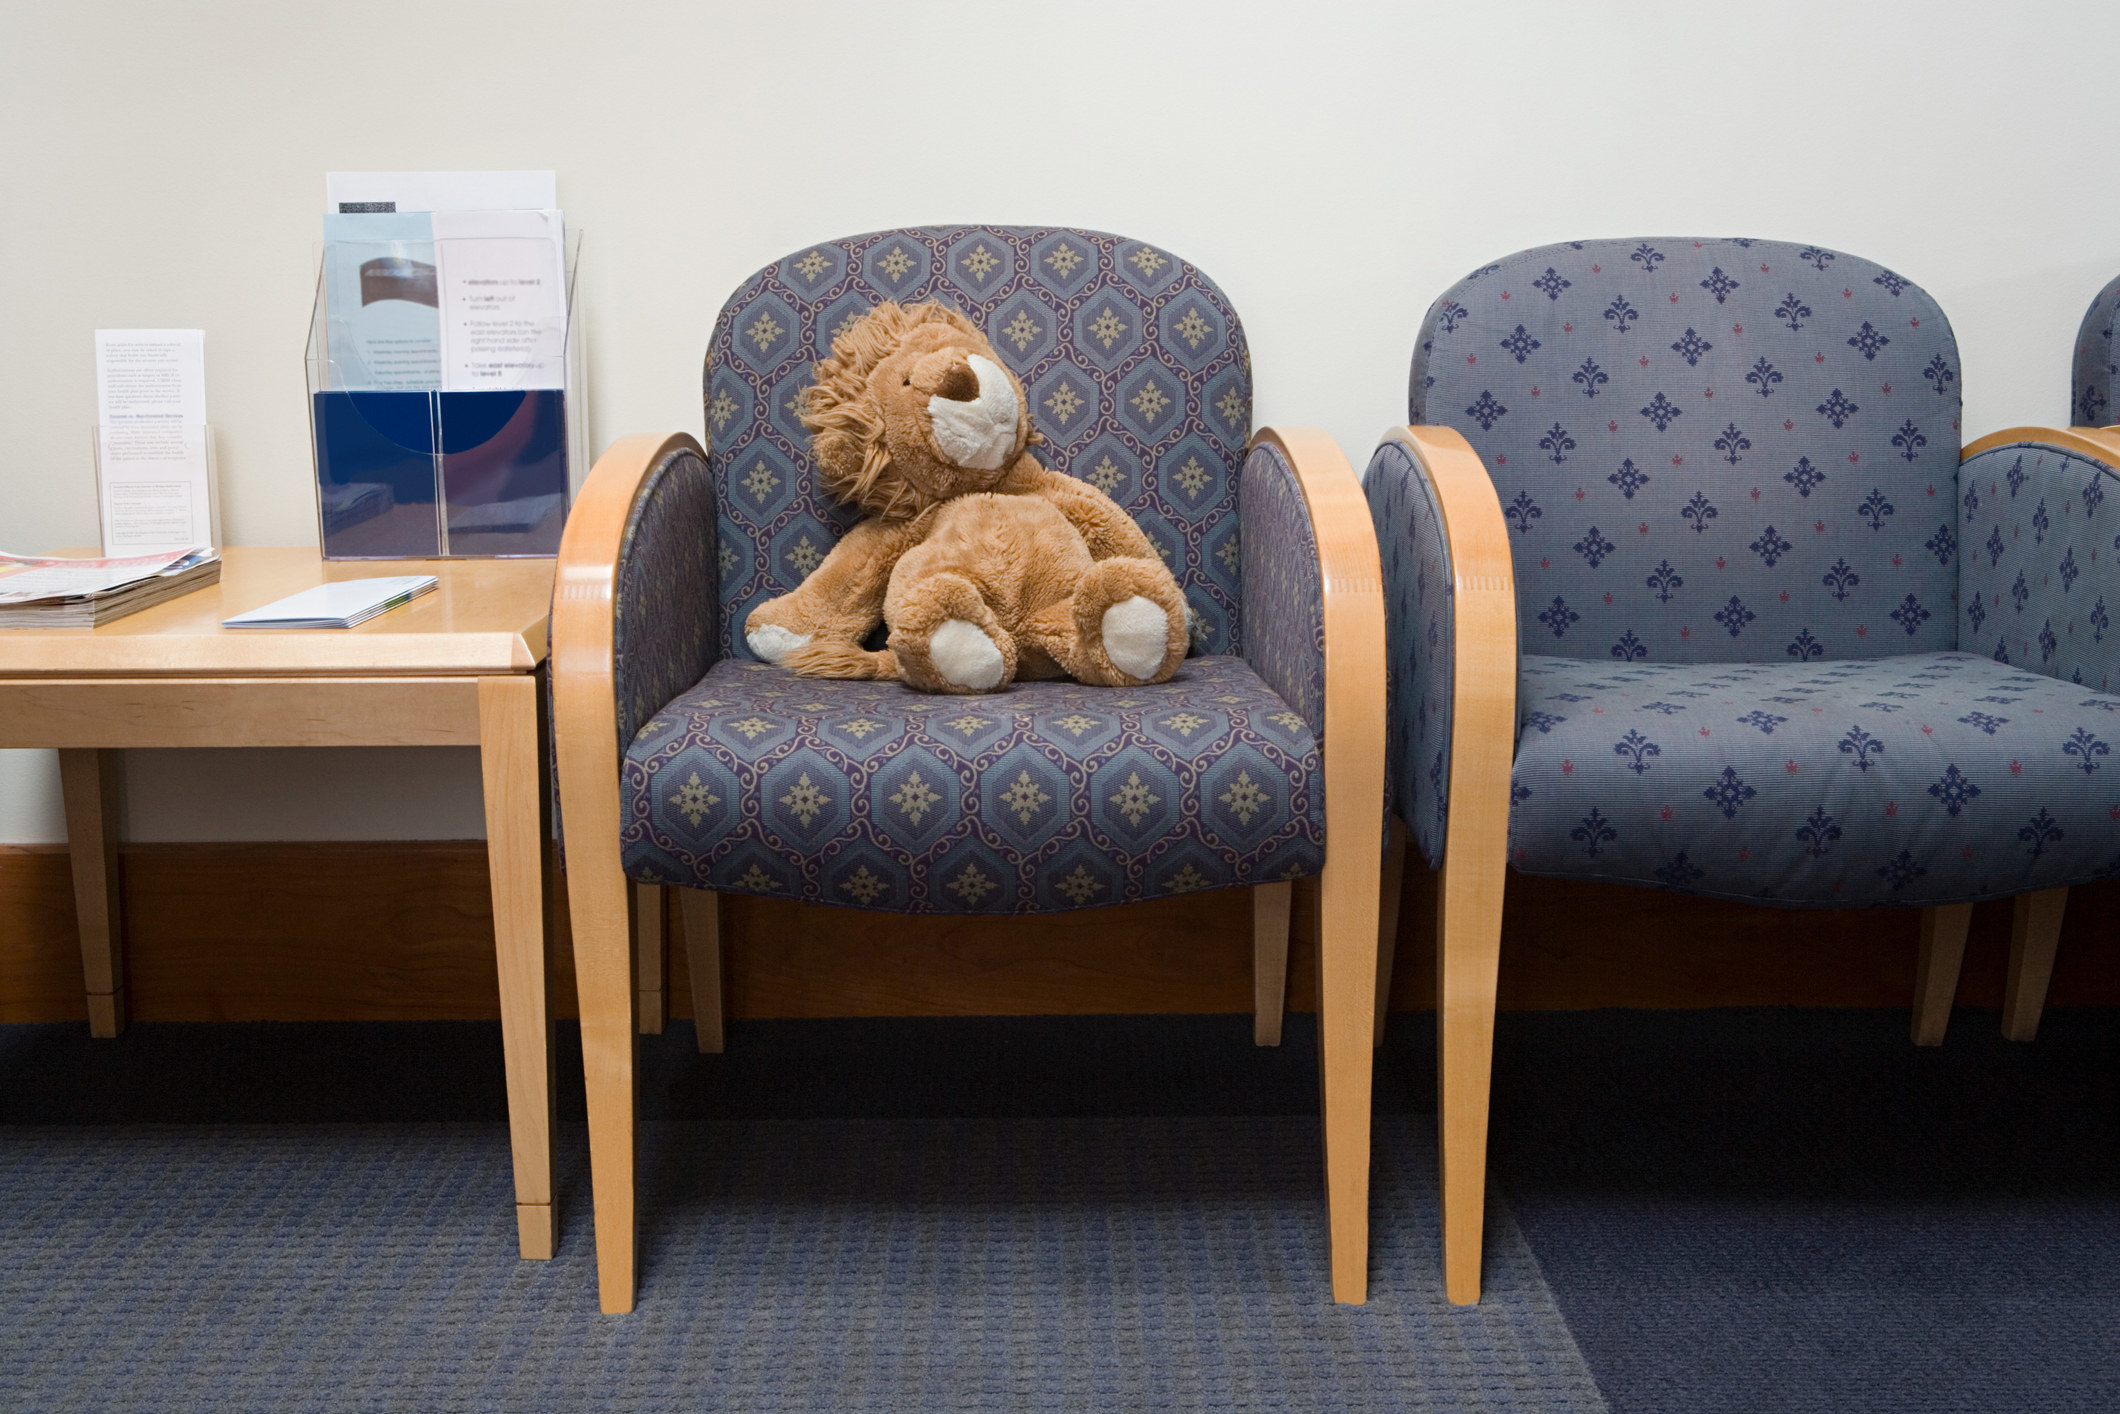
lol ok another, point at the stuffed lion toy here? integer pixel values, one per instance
(984, 565)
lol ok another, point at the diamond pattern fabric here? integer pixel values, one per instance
(1708, 450)
(1921, 779)
(1047, 797)
(1135, 365)
(1284, 598)
(664, 615)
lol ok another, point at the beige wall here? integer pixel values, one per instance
(1332, 165)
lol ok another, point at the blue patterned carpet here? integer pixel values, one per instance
(822, 1264)
(1701, 1212)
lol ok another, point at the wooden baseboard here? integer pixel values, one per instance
(310, 932)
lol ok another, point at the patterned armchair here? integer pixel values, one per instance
(684, 763)
(2097, 366)
(1778, 644)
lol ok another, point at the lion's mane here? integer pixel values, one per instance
(846, 436)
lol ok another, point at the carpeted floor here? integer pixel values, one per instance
(797, 1265)
(1790, 1210)
(1697, 1212)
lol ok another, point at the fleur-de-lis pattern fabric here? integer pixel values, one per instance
(1284, 598)
(1135, 365)
(1921, 779)
(1708, 450)
(2097, 363)
(1420, 630)
(2040, 532)
(1047, 797)
(1739, 680)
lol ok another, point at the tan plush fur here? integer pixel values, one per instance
(983, 573)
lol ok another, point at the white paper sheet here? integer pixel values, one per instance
(440, 191)
(153, 473)
(503, 299)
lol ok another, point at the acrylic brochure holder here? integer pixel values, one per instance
(424, 473)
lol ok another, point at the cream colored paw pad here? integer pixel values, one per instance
(1135, 633)
(964, 655)
(771, 642)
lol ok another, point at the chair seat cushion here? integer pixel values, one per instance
(1045, 797)
(1930, 778)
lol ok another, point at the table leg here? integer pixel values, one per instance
(512, 735)
(89, 780)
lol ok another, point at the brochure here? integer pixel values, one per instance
(154, 479)
(382, 302)
(463, 301)
(341, 603)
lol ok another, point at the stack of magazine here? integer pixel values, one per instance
(46, 592)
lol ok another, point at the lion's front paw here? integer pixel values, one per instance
(1136, 632)
(770, 642)
(963, 654)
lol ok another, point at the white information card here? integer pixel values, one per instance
(503, 296)
(153, 475)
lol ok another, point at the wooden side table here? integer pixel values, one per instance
(461, 666)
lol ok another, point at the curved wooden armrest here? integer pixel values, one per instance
(2100, 444)
(585, 708)
(1351, 585)
(2107, 437)
(1476, 828)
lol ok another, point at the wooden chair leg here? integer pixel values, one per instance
(650, 966)
(1269, 960)
(2035, 932)
(1936, 971)
(1468, 967)
(88, 779)
(1394, 879)
(1347, 1002)
(700, 913)
(518, 825)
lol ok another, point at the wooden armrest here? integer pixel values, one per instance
(2100, 444)
(1483, 677)
(2107, 437)
(584, 703)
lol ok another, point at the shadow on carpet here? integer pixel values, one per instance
(798, 1265)
(1784, 1210)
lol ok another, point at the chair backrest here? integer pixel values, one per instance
(2097, 362)
(1708, 450)
(1135, 364)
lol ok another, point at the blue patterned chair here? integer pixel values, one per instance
(684, 763)
(2097, 366)
(1778, 643)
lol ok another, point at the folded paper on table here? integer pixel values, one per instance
(340, 603)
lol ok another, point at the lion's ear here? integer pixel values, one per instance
(936, 312)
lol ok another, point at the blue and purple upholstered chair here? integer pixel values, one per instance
(683, 762)
(2097, 365)
(1778, 644)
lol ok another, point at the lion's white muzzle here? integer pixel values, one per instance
(978, 434)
